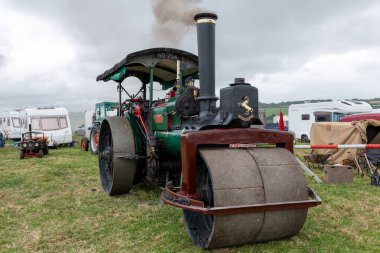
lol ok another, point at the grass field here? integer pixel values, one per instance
(56, 204)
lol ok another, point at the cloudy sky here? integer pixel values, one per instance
(51, 51)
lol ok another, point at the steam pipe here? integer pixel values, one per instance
(119, 112)
(206, 60)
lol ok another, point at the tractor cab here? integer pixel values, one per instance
(104, 109)
(33, 144)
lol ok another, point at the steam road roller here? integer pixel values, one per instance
(236, 182)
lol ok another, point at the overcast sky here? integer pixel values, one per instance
(51, 51)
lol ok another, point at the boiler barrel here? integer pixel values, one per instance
(171, 142)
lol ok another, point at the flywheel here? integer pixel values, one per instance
(116, 141)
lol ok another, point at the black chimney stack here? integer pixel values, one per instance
(206, 57)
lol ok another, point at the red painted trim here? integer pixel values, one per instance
(372, 146)
(341, 146)
(190, 141)
(137, 113)
(28, 155)
(323, 146)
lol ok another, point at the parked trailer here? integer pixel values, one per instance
(54, 122)
(10, 124)
(302, 116)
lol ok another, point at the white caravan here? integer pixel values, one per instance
(302, 116)
(10, 124)
(54, 122)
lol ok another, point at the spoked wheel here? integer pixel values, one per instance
(116, 141)
(235, 177)
(84, 144)
(94, 140)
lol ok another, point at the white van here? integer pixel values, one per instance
(302, 116)
(10, 124)
(54, 122)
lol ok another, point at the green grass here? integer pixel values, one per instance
(56, 204)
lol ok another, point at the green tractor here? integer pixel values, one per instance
(235, 181)
(91, 138)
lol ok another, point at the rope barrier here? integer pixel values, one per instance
(339, 146)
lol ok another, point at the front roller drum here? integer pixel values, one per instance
(238, 177)
(116, 141)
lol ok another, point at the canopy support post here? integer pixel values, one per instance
(150, 87)
(144, 91)
(119, 88)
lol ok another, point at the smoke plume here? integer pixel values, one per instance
(173, 17)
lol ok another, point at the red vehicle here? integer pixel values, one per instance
(33, 144)
(360, 116)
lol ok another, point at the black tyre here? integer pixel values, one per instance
(45, 150)
(84, 144)
(304, 138)
(21, 154)
(116, 140)
(94, 140)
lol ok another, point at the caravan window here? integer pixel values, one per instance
(63, 122)
(35, 124)
(16, 122)
(337, 116)
(50, 123)
(322, 116)
(8, 122)
(305, 116)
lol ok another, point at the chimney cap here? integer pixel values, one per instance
(206, 15)
(239, 81)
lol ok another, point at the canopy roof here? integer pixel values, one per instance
(163, 60)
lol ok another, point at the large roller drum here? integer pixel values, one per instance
(116, 141)
(236, 177)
